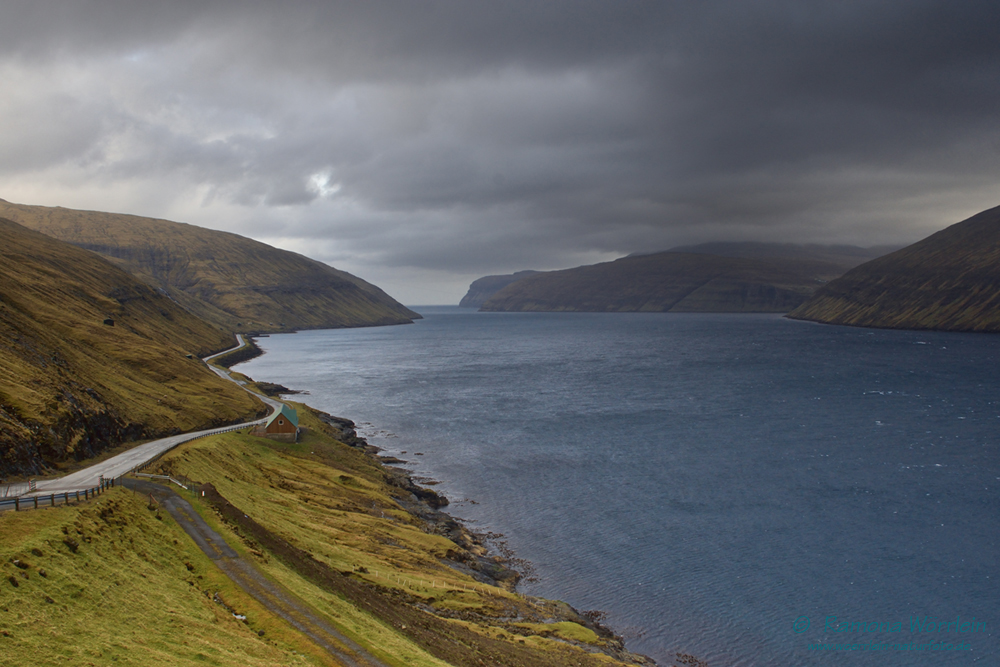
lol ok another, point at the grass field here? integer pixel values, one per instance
(113, 582)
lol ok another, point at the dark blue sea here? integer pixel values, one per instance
(745, 488)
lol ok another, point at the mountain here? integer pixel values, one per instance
(847, 256)
(91, 357)
(234, 282)
(949, 281)
(482, 289)
(752, 278)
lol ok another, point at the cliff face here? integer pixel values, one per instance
(481, 290)
(91, 358)
(949, 281)
(670, 281)
(231, 281)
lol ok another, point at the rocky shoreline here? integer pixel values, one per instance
(483, 556)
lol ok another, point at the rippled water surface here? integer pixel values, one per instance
(706, 480)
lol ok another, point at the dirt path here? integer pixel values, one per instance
(276, 598)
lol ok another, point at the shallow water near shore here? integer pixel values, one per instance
(709, 481)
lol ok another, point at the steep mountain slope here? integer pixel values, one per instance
(482, 289)
(948, 281)
(234, 282)
(670, 281)
(72, 385)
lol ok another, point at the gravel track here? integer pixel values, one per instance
(274, 597)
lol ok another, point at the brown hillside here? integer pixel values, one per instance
(670, 281)
(234, 282)
(949, 281)
(71, 385)
(482, 289)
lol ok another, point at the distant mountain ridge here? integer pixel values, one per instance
(845, 255)
(949, 281)
(734, 277)
(482, 289)
(234, 282)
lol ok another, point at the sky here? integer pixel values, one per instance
(421, 144)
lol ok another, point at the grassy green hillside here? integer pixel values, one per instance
(339, 529)
(670, 281)
(72, 386)
(113, 581)
(231, 281)
(949, 281)
(110, 582)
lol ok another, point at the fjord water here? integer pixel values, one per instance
(706, 480)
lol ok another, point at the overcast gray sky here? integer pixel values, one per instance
(422, 144)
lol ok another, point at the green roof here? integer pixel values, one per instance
(289, 414)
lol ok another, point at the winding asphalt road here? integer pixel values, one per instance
(125, 462)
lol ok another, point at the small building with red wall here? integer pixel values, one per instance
(282, 425)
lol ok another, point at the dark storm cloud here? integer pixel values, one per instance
(457, 138)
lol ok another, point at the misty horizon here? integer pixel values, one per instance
(423, 145)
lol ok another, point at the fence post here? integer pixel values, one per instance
(52, 500)
(35, 498)
(17, 504)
